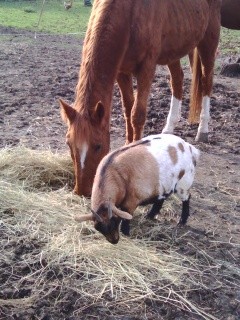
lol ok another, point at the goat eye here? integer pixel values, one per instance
(97, 147)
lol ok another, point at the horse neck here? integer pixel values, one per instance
(95, 84)
(104, 47)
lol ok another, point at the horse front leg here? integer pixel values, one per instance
(138, 116)
(127, 96)
(176, 81)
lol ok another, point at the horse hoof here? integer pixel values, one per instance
(202, 137)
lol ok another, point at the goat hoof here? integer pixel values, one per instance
(202, 137)
(181, 224)
(150, 217)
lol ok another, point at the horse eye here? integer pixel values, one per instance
(97, 147)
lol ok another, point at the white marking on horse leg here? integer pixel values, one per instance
(204, 116)
(174, 115)
(83, 154)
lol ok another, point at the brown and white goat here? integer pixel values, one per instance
(143, 172)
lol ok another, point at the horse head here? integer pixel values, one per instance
(89, 141)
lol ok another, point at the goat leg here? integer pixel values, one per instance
(125, 227)
(185, 212)
(156, 207)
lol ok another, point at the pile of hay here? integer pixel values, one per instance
(49, 259)
(35, 170)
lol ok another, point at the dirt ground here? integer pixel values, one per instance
(36, 72)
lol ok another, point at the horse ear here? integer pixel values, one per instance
(99, 112)
(67, 112)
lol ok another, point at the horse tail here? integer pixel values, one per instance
(196, 89)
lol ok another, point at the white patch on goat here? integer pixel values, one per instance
(83, 154)
(169, 172)
(185, 183)
(204, 116)
(174, 115)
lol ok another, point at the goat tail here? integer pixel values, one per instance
(196, 89)
(196, 153)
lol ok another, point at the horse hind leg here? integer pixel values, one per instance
(207, 57)
(202, 84)
(176, 81)
(127, 96)
(206, 54)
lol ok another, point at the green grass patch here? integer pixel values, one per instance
(54, 19)
(229, 41)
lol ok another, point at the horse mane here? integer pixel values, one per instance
(100, 25)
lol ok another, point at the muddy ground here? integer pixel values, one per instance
(34, 73)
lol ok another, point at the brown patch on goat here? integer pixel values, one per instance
(125, 182)
(194, 161)
(190, 149)
(109, 159)
(181, 147)
(173, 154)
(141, 180)
(181, 174)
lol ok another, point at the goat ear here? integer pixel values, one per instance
(122, 214)
(68, 113)
(98, 113)
(109, 210)
(83, 217)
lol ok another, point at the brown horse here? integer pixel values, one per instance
(230, 18)
(125, 38)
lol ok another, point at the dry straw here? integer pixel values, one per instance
(40, 170)
(35, 202)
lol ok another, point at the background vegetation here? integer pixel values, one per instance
(55, 19)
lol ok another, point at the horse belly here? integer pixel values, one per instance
(186, 30)
(167, 31)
